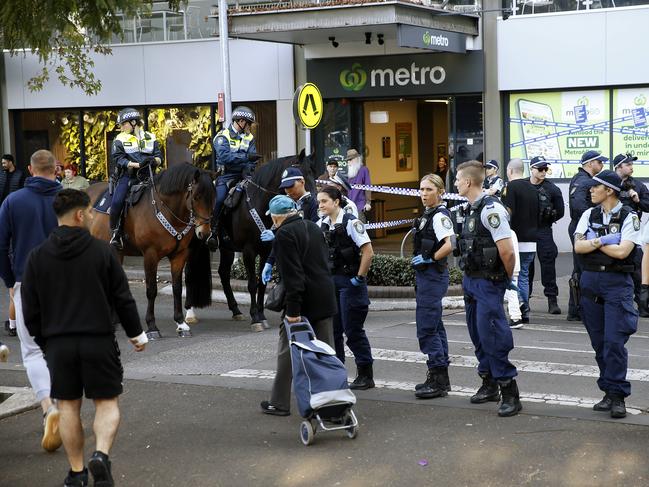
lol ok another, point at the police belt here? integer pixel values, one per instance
(608, 268)
(439, 266)
(485, 274)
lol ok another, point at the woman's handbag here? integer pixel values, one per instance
(276, 297)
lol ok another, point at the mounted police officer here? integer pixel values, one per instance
(487, 260)
(635, 195)
(592, 162)
(551, 210)
(433, 232)
(606, 238)
(236, 156)
(493, 184)
(350, 256)
(132, 149)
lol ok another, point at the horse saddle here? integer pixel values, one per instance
(235, 194)
(135, 192)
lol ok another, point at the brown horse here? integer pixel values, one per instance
(171, 211)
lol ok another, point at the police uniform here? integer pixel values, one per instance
(485, 281)
(493, 182)
(232, 149)
(308, 206)
(129, 148)
(607, 294)
(345, 237)
(431, 229)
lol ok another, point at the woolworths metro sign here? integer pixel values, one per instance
(421, 74)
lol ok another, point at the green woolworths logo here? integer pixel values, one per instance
(640, 100)
(583, 100)
(353, 79)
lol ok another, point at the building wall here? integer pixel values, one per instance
(384, 170)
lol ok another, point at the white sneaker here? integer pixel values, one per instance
(51, 435)
(4, 352)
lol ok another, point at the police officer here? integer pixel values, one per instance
(350, 256)
(550, 211)
(132, 149)
(579, 201)
(493, 184)
(487, 260)
(236, 154)
(635, 195)
(605, 241)
(433, 233)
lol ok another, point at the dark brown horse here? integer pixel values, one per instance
(240, 233)
(171, 212)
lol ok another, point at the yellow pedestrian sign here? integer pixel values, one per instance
(307, 106)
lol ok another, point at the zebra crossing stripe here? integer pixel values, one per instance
(557, 399)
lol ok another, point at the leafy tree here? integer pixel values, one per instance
(65, 33)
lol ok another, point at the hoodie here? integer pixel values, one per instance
(72, 284)
(26, 219)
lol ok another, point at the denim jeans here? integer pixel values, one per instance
(527, 260)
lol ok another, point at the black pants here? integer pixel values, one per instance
(547, 252)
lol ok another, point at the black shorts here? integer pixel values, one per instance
(79, 363)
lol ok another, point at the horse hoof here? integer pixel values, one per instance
(191, 320)
(184, 333)
(238, 317)
(153, 335)
(257, 327)
(265, 324)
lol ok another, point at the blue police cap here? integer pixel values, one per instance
(610, 179)
(492, 163)
(593, 155)
(623, 158)
(290, 176)
(539, 162)
(281, 205)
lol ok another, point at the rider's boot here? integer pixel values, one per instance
(116, 232)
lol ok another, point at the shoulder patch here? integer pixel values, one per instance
(446, 223)
(636, 222)
(359, 227)
(494, 220)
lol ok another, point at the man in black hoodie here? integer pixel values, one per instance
(79, 339)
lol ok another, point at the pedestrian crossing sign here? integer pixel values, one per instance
(307, 106)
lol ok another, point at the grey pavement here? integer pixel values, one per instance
(190, 412)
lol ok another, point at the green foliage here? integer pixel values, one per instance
(386, 270)
(65, 33)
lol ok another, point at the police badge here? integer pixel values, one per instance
(614, 228)
(285, 173)
(471, 224)
(494, 220)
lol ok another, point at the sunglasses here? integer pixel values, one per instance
(543, 169)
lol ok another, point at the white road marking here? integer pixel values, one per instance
(641, 375)
(560, 399)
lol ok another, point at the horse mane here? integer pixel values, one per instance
(176, 178)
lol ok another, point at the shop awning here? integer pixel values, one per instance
(346, 21)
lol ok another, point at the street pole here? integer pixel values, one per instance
(225, 60)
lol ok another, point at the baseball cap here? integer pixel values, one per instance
(289, 176)
(609, 179)
(539, 162)
(623, 158)
(492, 163)
(333, 160)
(281, 205)
(593, 155)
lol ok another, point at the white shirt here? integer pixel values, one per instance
(355, 228)
(495, 218)
(442, 226)
(630, 225)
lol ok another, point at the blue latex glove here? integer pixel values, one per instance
(355, 282)
(267, 236)
(419, 259)
(590, 234)
(611, 239)
(513, 287)
(267, 273)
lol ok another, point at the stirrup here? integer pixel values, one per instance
(116, 240)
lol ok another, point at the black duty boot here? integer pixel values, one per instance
(604, 404)
(434, 385)
(445, 381)
(643, 310)
(364, 378)
(618, 408)
(511, 402)
(553, 306)
(488, 391)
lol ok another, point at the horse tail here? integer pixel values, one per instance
(198, 275)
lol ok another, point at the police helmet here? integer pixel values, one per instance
(128, 114)
(243, 113)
